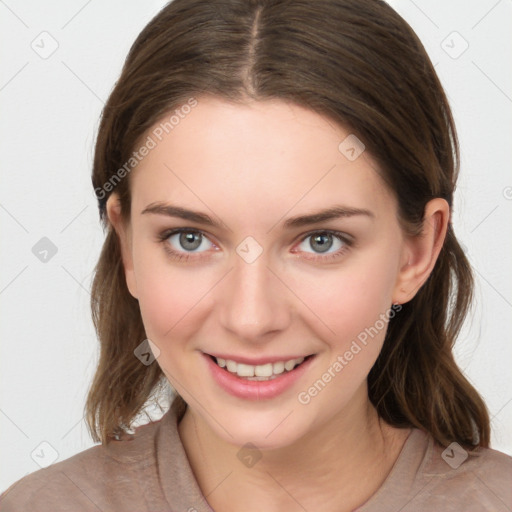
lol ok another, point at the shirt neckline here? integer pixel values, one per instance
(394, 491)
(180, 486)
(177, 479)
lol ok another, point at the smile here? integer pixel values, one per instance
(259, 372)
(265, 380)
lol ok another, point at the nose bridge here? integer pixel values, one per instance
(254, 302)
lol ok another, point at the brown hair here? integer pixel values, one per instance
(361, 65)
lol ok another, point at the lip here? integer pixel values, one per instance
(258, 360)
(252, 389)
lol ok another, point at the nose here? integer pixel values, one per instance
(255, 304)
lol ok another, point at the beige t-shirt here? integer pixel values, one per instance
(151, 472)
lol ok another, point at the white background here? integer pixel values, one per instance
(50, 110)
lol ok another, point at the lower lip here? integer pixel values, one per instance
(253, 389)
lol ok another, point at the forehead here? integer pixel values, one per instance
(263, 157)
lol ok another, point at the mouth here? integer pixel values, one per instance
(261, 372)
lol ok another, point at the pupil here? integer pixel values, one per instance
(188, 238)
(325, 241)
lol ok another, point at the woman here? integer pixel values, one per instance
(277, 180)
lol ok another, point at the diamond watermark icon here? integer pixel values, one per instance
(147, 352)
(351, 147)
(249, 455)
(45, 45)
(44, 454)
(454, 455)
(249, 249)
(454, 45)
(44, 250)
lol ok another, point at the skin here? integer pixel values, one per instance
(250, 167)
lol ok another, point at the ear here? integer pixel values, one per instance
(420, 252)
(123, 231)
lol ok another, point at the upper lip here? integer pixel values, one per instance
(257, 360)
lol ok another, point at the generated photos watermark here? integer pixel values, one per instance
(342, 360)
(152, 140)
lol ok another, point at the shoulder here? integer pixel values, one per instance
(428, 477)
(94, 479)
(478, 480)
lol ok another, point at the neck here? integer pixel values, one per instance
(344, 462)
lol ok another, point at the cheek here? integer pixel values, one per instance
(355, 305)
(168, 295)
(351, 297)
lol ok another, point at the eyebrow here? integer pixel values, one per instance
(335, 212)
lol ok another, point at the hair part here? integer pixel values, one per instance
(358, 63)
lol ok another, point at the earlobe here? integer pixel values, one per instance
(421, 252)
(123, 231)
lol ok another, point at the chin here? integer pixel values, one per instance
(269, 430)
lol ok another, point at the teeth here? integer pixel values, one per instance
(278, 368)
(262, 378)
(289, 365)
(245, 370)
(266, 371)
(263, 370)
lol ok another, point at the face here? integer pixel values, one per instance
(252, 286)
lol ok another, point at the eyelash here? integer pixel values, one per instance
(179, 256)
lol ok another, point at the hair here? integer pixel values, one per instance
(356, 62)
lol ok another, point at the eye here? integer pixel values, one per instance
(321, 242)
(183, 243)
(179, 243)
